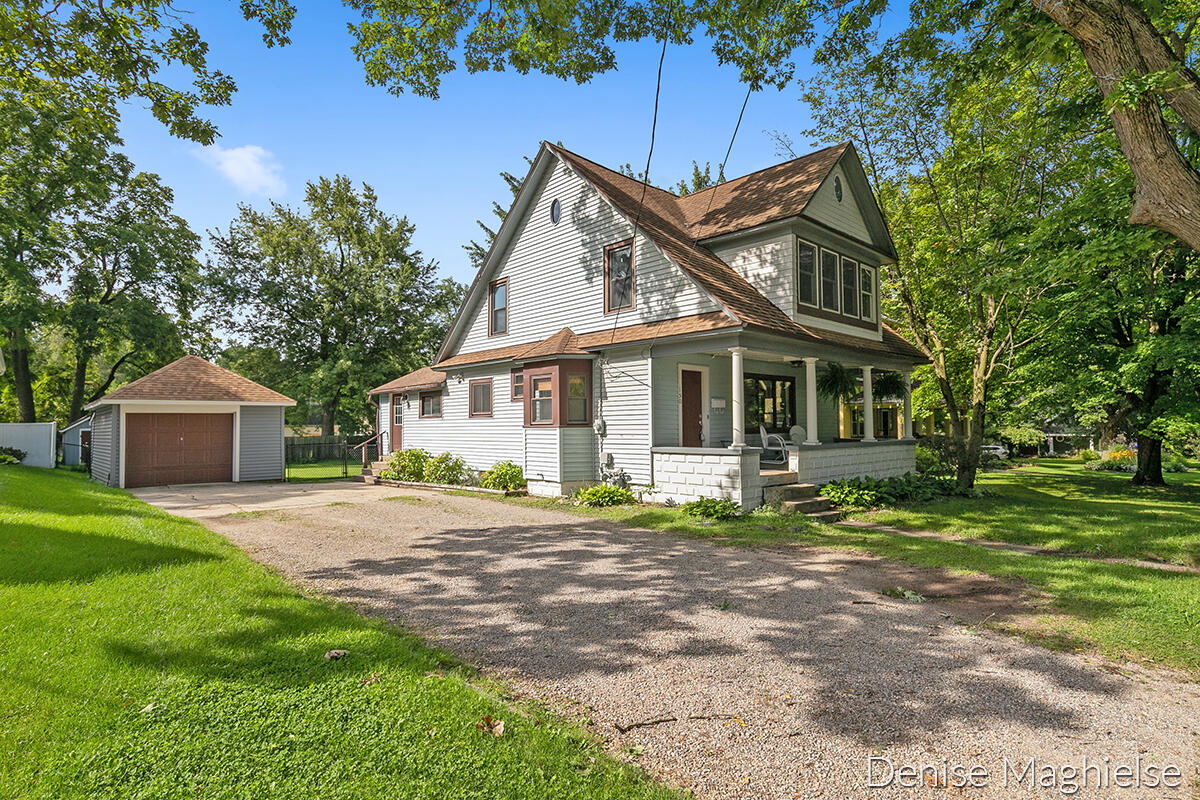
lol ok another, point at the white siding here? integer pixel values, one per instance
(556, 272)
(480, 441)
(383, 423)
(578, 454)
(845, 216)
(260, 442)
(39, 441)
(768, 264)
(105, 436)
(623, 402)
(542, 460)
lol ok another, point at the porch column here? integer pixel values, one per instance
(868, 406)
(810, 401)
(908, 420)
(738, 392)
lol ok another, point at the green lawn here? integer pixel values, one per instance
(142, 656)
(322, 471)
(1124, 611)
(1059, 505)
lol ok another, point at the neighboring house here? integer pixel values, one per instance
(76, 439)
(618, 328)
(188, 422)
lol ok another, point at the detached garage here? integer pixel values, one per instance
(189, 422)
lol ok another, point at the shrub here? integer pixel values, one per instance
(505, 476)
(406, 465)
(1175, 465)
(446, 468)
(928, 461)
(1110, 465)
(604, 494)
(18, 455)
(5, 458)
(908, 488)
(1088, 455)
(710, 508)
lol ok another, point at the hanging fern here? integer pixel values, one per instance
(838, 381)
(888, 385)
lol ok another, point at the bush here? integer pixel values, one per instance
(908, 488)
(709, 508)
(5, 458)
(446, 468)
(1088, 455)
(1109, 465)
(927, 461)
(505, 476)
(406, 465)
(1175, 465)
(604, 494)
(18, 455)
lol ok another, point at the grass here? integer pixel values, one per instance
(330, 470)
(1059, 505)
(141, 656)
(1121, 610)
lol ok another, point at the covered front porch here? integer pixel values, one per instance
(713, 405)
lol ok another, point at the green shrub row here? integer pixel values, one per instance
(12, 455)
(604, 494)
(907, 488)
(415, 465)
(709, 508)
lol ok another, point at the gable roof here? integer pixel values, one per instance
(423, 378)
(194, 380)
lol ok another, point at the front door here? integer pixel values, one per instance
(397, 420)
(691, 408)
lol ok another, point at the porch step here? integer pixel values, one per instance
(826, 517)
(773, 478)
(813, 505)
(365, 478)
(790, 491)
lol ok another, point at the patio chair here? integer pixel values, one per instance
(774, 447)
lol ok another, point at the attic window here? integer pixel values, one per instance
(555, 211)
(618, 276)
(837, 187)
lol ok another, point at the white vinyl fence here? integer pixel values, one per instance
(37, 439)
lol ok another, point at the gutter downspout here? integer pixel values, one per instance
(650, 408)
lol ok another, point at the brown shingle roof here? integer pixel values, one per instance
(193, 379)
(423, 378)
(562, 343)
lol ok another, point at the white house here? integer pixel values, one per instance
(620, 328)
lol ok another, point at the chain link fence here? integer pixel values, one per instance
(320, 458)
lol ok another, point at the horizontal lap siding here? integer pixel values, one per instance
(260, 442)
(383, 422)
(844, 216)
(104, 445)
(480, 441)
(578, 454)
(556, 272)
(768, 265)
(542, 460)
(624, 405)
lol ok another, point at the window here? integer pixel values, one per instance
(431, 404)
(498, 308)
(849, 286)
(867, 288)
(518, 385)
(555, 211)
(481, 398)
(618, 277)
(542, 400)
(829, 280)
(770, 402)
(577, 399)
(806, 274)
(837, 187)
(397, 409)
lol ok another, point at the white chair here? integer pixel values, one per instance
(797, 434)
(774, 447)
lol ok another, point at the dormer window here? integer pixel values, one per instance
(829, 281)
(498, 308)
(618, 277)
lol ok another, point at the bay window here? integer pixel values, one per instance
(541, 400)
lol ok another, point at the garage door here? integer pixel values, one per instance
(178, 448)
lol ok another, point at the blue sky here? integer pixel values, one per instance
(305, 110)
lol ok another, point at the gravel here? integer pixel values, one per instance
(733, 673)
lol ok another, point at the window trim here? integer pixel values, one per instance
(397, 408)
(873, 312)
(816, 276)
(421, 404)
(471, 412)
(837, 281)
(516, 381)
(632, 277)
(553, 421)
(795, 397)
(843, 261)
(492, 307)
(587, 398)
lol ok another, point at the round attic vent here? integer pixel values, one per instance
(555, 212)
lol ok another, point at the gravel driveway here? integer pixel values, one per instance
(732, 672)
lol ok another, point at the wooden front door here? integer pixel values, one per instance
(397, 421)
(691, 407)
(178, 448)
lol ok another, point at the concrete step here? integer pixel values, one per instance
(792, 491)
(780, 477)
(378, 465)
(825, 517)
(365, 479)
(812, 505)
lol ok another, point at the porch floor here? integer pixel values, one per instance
(777, 477)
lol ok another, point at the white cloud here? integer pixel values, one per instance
(251, 168)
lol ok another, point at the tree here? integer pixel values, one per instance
(132, 259)
(104, 53)
(477, 251)
(48, 155)
(338, 292)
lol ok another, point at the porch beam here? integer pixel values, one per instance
(868, 405)
(908, 420)
(738, 391)
(810, 401)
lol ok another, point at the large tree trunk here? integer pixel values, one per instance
(1119, 40)
(22, 377)
(78, 387)
(969, 452)
(327, 416)
(1149, 462)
